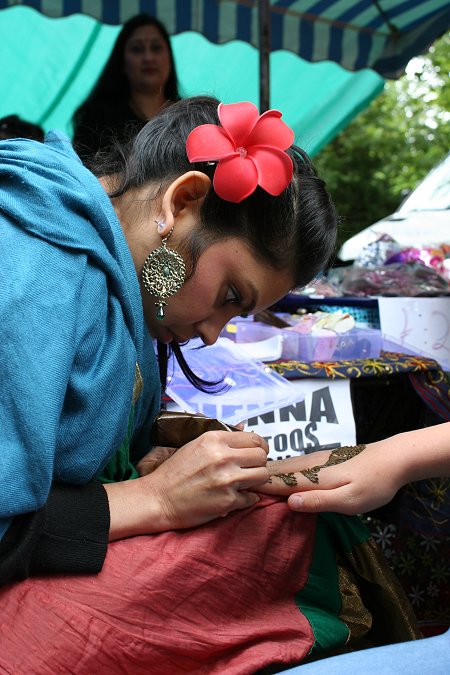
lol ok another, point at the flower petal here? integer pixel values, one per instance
(271, 130)
(208, 142)
(235, 178)
(274, 167)
(238, 119)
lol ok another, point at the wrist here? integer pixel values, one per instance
(134, 510)
(419, 454)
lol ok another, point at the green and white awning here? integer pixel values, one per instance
(328, 58)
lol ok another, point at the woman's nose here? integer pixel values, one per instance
(210, 329)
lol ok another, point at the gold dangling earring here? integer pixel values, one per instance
(163, 274)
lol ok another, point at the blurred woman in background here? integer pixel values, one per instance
(138, 79)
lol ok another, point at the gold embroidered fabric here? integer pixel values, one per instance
(374, 605)
(138, 383)
(389, 363)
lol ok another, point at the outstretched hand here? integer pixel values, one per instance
(348, 480)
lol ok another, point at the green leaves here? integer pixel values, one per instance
(390, 146)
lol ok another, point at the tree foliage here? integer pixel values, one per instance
(390, 146)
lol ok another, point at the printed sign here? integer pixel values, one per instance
(321, 418)
(418, 325)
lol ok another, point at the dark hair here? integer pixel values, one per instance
(294, 232)
(13, 126)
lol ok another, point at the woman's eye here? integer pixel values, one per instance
(233, 296)
(136, 49)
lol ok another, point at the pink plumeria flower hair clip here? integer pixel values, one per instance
(250, 150)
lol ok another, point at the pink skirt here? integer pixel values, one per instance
(222, 598)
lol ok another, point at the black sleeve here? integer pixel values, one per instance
(68, 535)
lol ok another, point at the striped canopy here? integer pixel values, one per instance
(328, 58)
(379, 34)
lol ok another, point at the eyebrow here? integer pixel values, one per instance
(252, 290)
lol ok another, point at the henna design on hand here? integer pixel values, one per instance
(338, 455)
(287, 478)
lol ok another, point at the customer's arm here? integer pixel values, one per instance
(327, 481)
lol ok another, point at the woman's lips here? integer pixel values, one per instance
(180, 340)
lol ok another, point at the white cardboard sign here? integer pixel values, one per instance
(322, 418)
(419, 325)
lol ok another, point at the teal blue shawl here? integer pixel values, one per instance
(71, 327)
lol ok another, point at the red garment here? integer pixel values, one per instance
(215, 599)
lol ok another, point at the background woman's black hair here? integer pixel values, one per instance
(294, 232)
(13, 126)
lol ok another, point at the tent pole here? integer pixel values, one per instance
(264, 54)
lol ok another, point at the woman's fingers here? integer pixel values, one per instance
(246, 439)
(209, 477)
(251, 478)
(243, 448)
(250, 457)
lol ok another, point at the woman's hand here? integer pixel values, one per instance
(327, 481)
(206, 478)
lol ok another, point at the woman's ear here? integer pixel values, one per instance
(183, 198)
